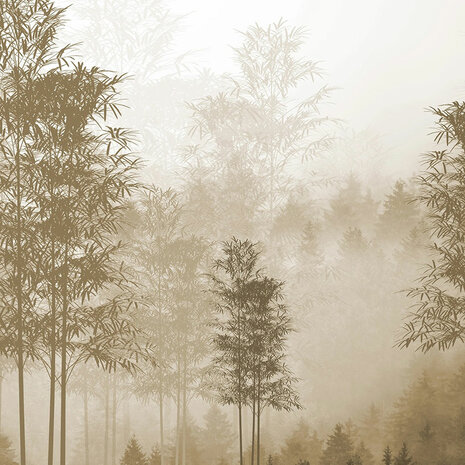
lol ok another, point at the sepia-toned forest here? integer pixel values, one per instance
(215, 252)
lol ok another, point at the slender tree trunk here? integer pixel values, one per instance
(22, 421)
(240, 433)
(184, 410)
(253, 433)
(178, 413)
(160, 335)
(64, 338)
(51, 415)
(113, 427)
(241, 459)
(1, 389)
(19, 296)
(258, 420)
(63, 401)
(86, 420)
(107, 420)
(162, 436)
(53, 375)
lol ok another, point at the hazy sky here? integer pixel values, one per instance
(390, 59)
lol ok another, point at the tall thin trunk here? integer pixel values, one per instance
(253, 430)
(107, 420)
(51, 415)
(64, 341)
(162, 436)
(160, 335)
(19, 296)
(178, 413)
(22, 421)
(258, 420)
(86, 420)
(241, 459)
(1, 389)
(240, 432)
(113, 426)
(184, 410)
(64, 329)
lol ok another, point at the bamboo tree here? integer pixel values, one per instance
(27, 34)
(157, 226)
(246, 139)
(107, 420)
(84, 384)
(170, 263)
(234, 271)
(268, 326)
(94, 174)
(113, 422)
(436, 317)
(190, 317)
(86, 420)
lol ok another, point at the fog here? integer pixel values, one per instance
(288, 134)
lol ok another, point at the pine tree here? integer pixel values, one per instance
(339, 448)
(217, 426)
(7, 454)
(355, 460)
(133, 455)
(403, 457)
(365, 455)
(269, 460)
(370, 430)
(303, 462)
(420, 405)
(387, 456)
(350, 208)
(155, 457)
(400, 214)
(301, 445)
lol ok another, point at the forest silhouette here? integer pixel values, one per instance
(190, 275)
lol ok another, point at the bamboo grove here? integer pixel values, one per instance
(78, 285)
(187, 275)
